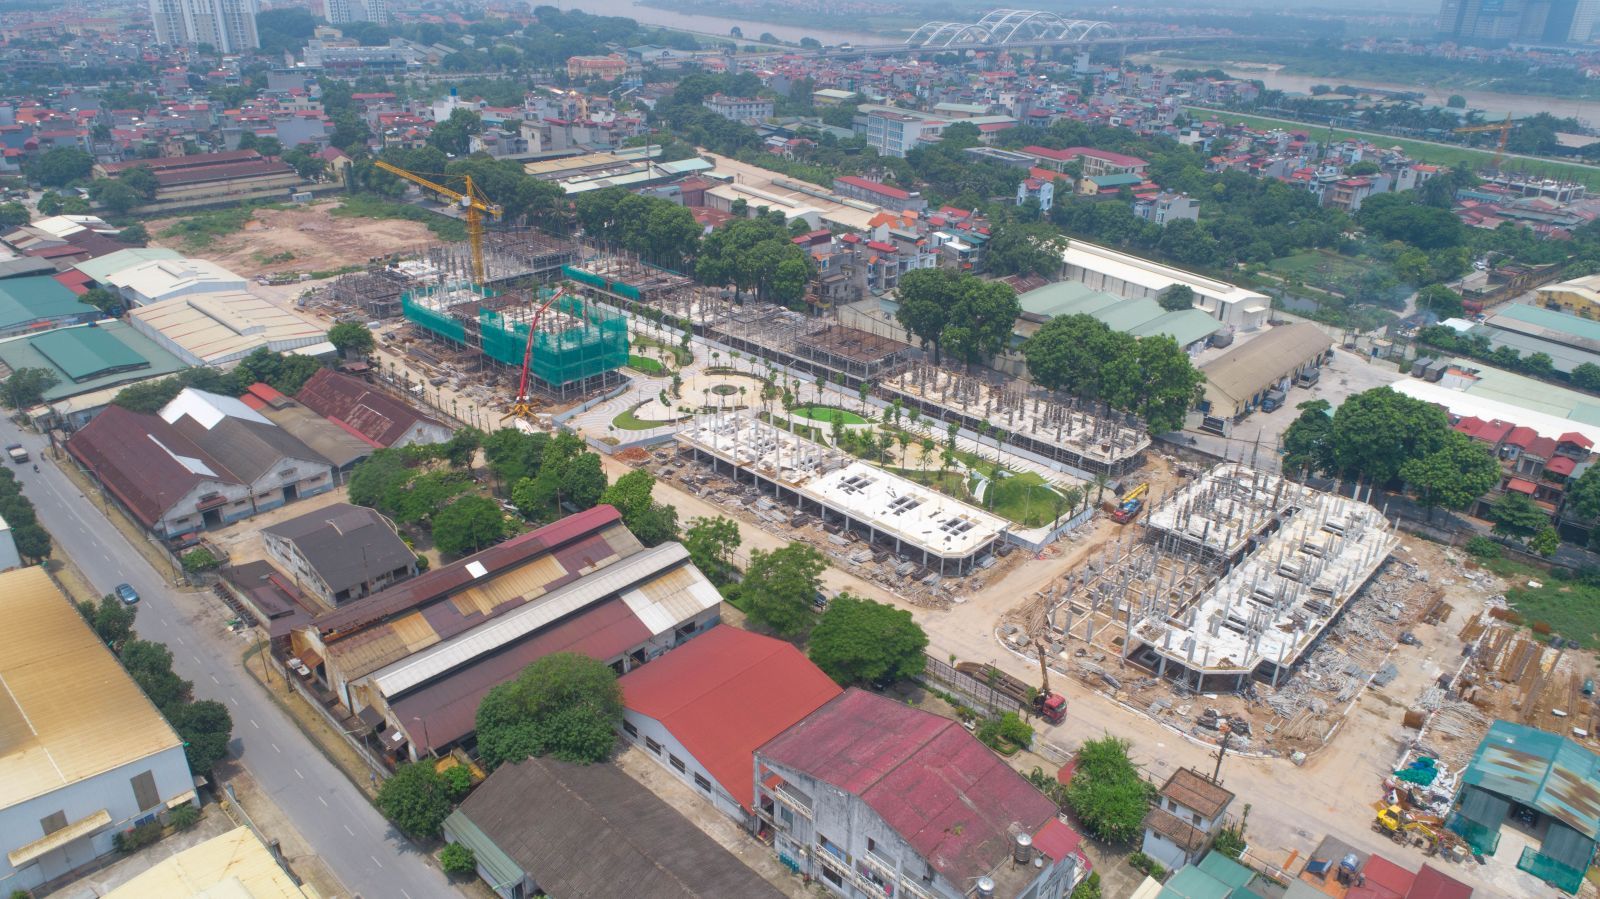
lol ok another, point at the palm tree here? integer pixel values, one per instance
(1100, 483)
(905, 444)
(926, 447)
(950, 435)
(864, 390)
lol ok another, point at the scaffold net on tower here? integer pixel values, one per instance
(576, 340)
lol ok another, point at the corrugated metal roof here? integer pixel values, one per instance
(532, 616)
(24, 300)
(102, 268)
(1251, 367)
(948, 795)
(87, 352)
(67, 710)
(217, 868)
(1541, 770)
(591, 830)
(376, 415)
(725, 693)
(30, 352)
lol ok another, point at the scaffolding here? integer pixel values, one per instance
(1086, 435)
(829, 351)
(509, 255)
(375, 293)
(578, 347)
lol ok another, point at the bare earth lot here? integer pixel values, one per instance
(317, 240)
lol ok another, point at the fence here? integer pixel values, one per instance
(981, 695)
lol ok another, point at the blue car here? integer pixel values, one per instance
(127, 594)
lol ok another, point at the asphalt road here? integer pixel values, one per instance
(331, 814)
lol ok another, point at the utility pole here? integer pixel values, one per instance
(1222, 752)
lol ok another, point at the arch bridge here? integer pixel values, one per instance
(1003, 27)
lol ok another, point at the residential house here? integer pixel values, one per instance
(1185, 817)
(739, 109)
(869, 797)
(1167, 207)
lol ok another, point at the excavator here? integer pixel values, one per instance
(1403, 825)
(523, 406)
(1052, 707)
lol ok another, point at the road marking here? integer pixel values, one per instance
(301, 776)
(233, 699)
(196, 659)
(275, 747)
(254, 724)
(319, 797)
(215, 681)
(348, 830)
(179, 639)
(375, 860)
(404, 893)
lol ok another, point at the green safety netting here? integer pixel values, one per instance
(1478, 819)
(1421, 772)
(1562, 859)
(596, 343)
(620, 288)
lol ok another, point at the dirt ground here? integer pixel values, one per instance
(314, 240)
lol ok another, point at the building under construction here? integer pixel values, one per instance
(1083, 434)
(813, 345)
(1231, 579)
(944, 535)
(578, 346)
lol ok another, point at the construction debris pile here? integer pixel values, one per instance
(1083, 434)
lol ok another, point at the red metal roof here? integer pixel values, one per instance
(1057, 840)
(1521, 436)
(1521, 486)
(382, 418)
(75, 281)
(1431, 883)
(1561, 465)
(447, 708)
(1575, 437)
(948, 795)
(877, 187)
(725, 693)
(1384, 880)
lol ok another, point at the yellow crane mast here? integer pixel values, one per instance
(1505, 132)
(470, 199)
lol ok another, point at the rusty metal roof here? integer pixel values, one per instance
(1542, 770)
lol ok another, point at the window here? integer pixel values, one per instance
(702, 783)
(144, 791)
(676, 762)
(833, 876)
(871, 846)
(652, 745)
(1196, 817)
(52, 823)
(630, 730)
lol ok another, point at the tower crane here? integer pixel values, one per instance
(522, 406)
(470, 199)
(1505, 132)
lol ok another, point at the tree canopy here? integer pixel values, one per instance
(859, 641)
(957, 311)
(1515, 515)
(468, 524)
(565, 704)
(569, 477)
(652, 522)
(352, 339)
(711, 543)
(1149, 376)
(417, 798)
(1454, 475)
(26, 387)
(1107, 792)
(780, 587)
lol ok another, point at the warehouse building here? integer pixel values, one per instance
(1237, 381)
(157, 280)
(702, 710)
(412, 662)
(338, 443)
(98, 271)
(219, 329)
(85, 755)
(39, 303)
(91, 363)
(544, 827)
(1102, 268)
(1141, 317)
(236, 864)
(340, 552)
(376, 416)
(210, 179)
(202, 462)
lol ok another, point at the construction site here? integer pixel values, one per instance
(1084, 435)
(931, 534)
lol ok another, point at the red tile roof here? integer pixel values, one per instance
(725, 693)
(1521, 486)
(948, 795)
(1575, 437)
(1521, 436)
(1561, 465)
(1543, 447)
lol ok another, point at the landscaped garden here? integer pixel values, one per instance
(827, 414)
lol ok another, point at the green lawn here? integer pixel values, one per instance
(812, 434)
(827, 414)
(1024, 498)
(1570, 608)
(646, 364)
(684, 357)
(1421, 151)
(627, 421)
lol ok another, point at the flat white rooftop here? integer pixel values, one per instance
(896, 507)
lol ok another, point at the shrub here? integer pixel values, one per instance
(459, 780)
(136, 838)
(1481, 547)
(1229, 842)
(456, 858)
(198, 560)
(184, 816)
(1141, 862)
(1007, 731)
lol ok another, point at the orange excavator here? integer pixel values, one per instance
(523, 406)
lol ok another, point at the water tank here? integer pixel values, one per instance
(1022, 848)
(986, 887)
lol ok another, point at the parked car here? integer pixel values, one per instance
(127, 594)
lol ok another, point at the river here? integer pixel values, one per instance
(719, 25)
(1496, 105)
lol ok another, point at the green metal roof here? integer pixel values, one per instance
(1124, 180)
(24, 300)
(88, 358)
(1141, 318)
(491, 859)
(103, 267)
(1193, 883)
(1542, 770)
(83, 353)
(1562, 322)
(1225, 869)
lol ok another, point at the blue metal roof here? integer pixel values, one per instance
(1541, 770)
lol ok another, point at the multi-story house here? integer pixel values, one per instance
(739, 109)
(871, 798)
(1167, 207)
(1185, 817)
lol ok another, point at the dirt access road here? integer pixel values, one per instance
(302, 239)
